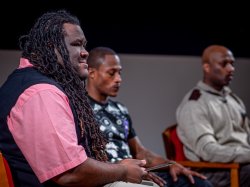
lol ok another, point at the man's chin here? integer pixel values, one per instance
(227, 83)
(84, 76)
(113, 94)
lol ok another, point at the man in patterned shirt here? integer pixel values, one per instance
(104, 81)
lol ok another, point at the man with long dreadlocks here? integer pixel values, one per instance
(47, 130)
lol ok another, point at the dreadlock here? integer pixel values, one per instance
(39, 48)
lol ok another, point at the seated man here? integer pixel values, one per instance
(212, 120)
(48, 133)
(104, 81)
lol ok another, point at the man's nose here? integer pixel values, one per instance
(230, 68)
(118, 78)
(84, 53)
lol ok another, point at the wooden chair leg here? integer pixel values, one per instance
(234, 177)
(3, 175)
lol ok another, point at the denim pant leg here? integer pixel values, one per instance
(183, 181)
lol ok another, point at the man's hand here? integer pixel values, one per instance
(135, 170)
(153, 177)
(178, 169)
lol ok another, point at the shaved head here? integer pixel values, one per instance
(212, 50)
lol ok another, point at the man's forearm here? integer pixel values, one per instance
(92, 173)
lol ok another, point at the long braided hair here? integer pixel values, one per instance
(39, 48)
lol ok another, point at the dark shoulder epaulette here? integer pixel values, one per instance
(195, 95)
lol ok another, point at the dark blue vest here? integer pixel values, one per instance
(15, 85)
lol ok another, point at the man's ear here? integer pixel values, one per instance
(59, 57)
(91, 72)
(206, 67)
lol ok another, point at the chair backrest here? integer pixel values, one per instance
(172, 144)
(5, 173)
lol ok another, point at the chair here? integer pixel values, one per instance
(5, 173)
(174, 151)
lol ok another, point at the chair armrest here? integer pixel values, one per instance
(208, 164)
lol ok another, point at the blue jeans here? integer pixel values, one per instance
(183, 181)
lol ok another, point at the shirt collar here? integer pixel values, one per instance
(225, 90)
(24, 63)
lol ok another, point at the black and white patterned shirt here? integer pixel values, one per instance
(116, 124)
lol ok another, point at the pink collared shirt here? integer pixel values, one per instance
(43, 127)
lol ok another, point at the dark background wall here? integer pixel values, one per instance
(172, 28)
